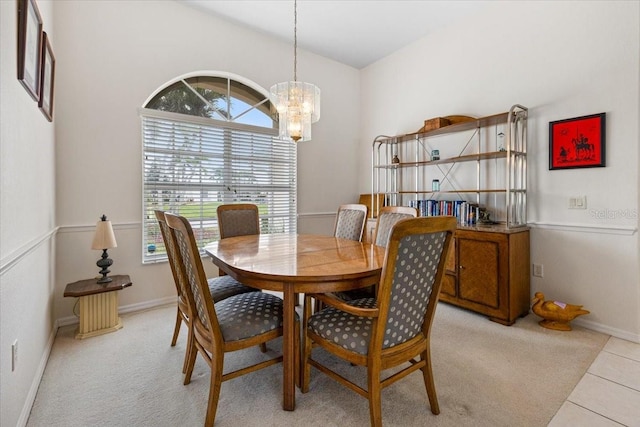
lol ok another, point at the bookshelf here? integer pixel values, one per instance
(479, 176)
(482, 162)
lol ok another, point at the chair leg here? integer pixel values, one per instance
(189, 349)
(427, 374)
(263, 347)
(297, 347)
(192, 352)
(374, 392)
(305, 370)
(176, 330)
(214, 390)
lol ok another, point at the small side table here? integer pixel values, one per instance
(98, 305)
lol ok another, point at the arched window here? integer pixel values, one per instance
(210, 139)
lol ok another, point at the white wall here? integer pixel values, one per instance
(562, 60)
(111, 57)
(27, 227)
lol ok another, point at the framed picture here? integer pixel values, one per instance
(29, 46)
(577, 142)
(47, 74)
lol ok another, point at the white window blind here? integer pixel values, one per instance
(193, 164)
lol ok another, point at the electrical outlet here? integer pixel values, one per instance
(14, 355)
(538, 270)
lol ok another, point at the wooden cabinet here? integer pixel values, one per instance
(488, 272)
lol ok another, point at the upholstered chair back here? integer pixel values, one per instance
(238, 220)
(350, 221)
(387, 218)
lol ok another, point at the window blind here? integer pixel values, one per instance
(193, 164)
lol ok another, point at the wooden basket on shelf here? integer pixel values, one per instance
(440, 122)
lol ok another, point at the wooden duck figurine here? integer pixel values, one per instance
(556, 315)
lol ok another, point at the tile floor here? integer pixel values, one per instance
(609, 393)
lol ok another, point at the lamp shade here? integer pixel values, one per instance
(104, 237)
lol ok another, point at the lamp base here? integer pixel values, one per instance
(104, 263)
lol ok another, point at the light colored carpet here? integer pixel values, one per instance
(486, 374)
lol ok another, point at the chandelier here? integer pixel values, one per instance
(297, 103)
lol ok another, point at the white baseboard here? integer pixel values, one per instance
(35, 384)
(614, 332)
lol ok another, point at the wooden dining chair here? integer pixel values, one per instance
(237, 219)
(349, 224)
(219, 287)
(235, 323)
(392, 329)
(388, 216)
(350, 221)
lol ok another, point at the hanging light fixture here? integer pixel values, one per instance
(297, 103)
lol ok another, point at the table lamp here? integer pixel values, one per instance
(104, 239)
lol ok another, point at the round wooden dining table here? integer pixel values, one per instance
(295, 264)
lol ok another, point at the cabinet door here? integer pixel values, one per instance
(482, 268)
(449, 280)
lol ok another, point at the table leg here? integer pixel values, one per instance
(288, 349)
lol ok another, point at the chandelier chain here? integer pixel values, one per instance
(295, 41)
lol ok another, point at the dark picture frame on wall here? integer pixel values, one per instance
(578, 142)
(47, 75)
(29, 46)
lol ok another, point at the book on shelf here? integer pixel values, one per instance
(466, 213)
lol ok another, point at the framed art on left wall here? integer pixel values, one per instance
(47, 74)
(29, 46)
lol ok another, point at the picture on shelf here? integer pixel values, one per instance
(578, 142)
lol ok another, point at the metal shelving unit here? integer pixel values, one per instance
(483, 162)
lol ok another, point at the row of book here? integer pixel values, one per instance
(466, 213)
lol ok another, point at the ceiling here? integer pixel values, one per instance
(353, 32)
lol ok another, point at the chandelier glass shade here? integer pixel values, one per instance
(297, 103)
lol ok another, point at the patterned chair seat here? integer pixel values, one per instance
(226, 286)
(344, 329)
(247, 315)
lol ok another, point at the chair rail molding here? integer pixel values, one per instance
(586, 228)
(315, 214)
(16, 256)
(92, 227)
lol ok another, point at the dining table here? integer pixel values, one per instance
(296, 264)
